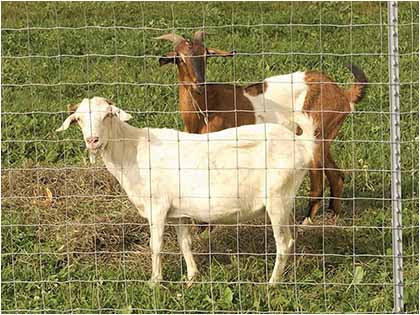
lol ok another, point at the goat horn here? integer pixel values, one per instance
(110, 102)
(199, 35)
(171, 37)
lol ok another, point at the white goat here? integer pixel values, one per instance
(228, 176)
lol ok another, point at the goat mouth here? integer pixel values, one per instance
(95, 149)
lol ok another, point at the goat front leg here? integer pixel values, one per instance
(157, 227)
(184, 240)
(336, 181)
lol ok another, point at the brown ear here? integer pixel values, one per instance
(71, 108)
(169, 58)
(213, 52)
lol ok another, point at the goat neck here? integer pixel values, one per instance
(191, 104)
(120, 154)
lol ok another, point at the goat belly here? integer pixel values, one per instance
(216, 214)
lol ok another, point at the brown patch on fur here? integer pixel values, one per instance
(215, 107)
(256, 88)
(328, 105)
(208, 107)
(227, 107)
(299, 131)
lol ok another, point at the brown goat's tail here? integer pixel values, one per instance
(356, 92)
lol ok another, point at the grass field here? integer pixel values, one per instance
(84, 249)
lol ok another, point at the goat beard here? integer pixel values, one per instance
(92, 156)
(94, 152)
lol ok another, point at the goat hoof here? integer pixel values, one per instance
(335, 219)
(307, 221)
(305, 224)
(154, 282)
(189, 282)
(334, 205)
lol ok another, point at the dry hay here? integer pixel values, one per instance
(86, 213)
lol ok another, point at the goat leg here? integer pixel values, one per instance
(336, 181)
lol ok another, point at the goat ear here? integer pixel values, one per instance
(115, 111)
(110, 102)
(69, 120)
(71, 108)
(213, 52)
(170, 57)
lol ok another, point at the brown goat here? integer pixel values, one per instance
(213, 107)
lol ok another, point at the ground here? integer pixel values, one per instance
(71, 241)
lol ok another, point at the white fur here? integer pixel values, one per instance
(284, 95)
(228, 176)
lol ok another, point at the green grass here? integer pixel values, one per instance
(48, 250)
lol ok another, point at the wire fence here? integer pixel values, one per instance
(72, 242)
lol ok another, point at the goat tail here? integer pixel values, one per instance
(305, 132)
(356, 92)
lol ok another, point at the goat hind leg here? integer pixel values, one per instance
(316, 176)
(283, 237)
(184, 240)
(336, 181)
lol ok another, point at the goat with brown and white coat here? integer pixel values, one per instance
(229, 176)
(208, 107)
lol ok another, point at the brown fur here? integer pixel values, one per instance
(256, 89)
(325, 102)
(227, 107)
(329, 106)
(354, 94)
(224, 106)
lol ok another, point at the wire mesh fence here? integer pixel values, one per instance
(73, 242)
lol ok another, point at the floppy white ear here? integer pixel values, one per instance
(122, 115)
(66, 123)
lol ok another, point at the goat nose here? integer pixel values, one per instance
(92, 140)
